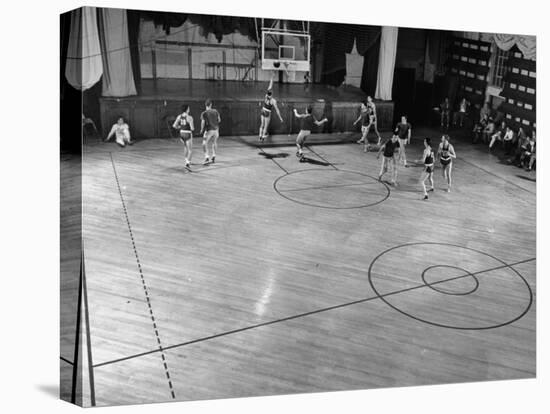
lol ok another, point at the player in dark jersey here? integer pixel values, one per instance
(268, 105)
(428, 170)
(184, 125)
(210, 124)
(446, 153)
(389, 150)
(367, 117)
(403, 130)
(307, 122)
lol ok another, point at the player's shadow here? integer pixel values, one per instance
(270, 156)
(314, 162)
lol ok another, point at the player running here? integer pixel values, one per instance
(307, 121)
(428, 171)
(184, 125)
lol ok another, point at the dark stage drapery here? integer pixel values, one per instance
(218, 25)
(339, 40)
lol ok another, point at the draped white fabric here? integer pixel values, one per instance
(526, 44)
(118, 78)
(386, 63)
(354, 67)
(84, 68)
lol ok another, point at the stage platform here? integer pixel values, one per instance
(151, 113)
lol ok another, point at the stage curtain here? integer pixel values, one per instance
(526, 44)
(118, 77)
(83, 68)
(386, 63)
(133, 35)
(218, 25)
(339, 40)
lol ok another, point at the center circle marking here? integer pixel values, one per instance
(438, 285)
(320, 187)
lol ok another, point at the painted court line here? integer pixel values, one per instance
(317, 311)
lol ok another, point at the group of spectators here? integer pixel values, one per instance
(519, 144)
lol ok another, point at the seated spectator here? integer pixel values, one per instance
(485, 111)
(521, 142)
(479, 128)
(508, 140)
(121, 130)
(489, 130)
(498, 135)
(528, 156)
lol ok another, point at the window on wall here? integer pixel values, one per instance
(499, 69)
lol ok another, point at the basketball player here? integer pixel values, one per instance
(307, 121)
(210, 123)
(403, 131)
(365, 121)
(428, 171)
(389, 149)
(446, 153)
(184, 125)
(121, 131)
(268, 105)
(373, 119)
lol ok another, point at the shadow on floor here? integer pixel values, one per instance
(270, 156)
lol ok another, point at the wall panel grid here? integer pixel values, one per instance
(469, 60)
(519, 92)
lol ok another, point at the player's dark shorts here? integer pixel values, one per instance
(265, 113)
(445, 161)
(429, 168)
(185, 135)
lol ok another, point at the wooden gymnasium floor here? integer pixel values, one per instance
(260, 275)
